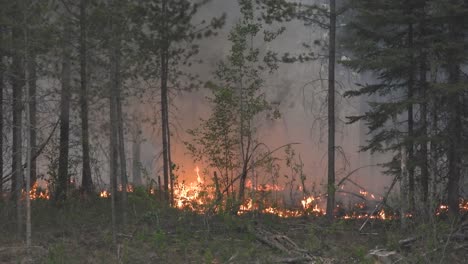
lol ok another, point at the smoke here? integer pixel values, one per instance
(300, 88)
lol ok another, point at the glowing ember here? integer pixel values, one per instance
(263, 187)
(36, 193)
(104, 194)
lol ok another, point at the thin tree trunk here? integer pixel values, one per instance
(424, 133)
(410, 145)
(28, 156)
(86, 181)
(62, 186)
(331, 113)
(136, 151)
(164, 102)
(454, 125)
(114, 137)
(32, 79)
(18, 82)
(2, 87)
(123, 160)
(169, 159)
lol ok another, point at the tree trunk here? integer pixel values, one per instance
(32, 80)
(410, 144)
(136, 151)
(86, 180)
(123, 160)
(169, 159)
(18, 83)
(62, 183)
(455, 116)
(331, 113)
(424, 133)
(114, 137)
(2, 87)
(164, 104)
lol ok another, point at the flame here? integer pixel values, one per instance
(199, 196)
(264, 187)
(199, 179)
(104, 194)
(35, 193)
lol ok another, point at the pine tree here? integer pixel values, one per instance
(400, 42)
(170, 39)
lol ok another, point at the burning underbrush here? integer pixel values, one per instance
(202, 197)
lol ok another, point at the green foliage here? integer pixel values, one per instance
(159, 240)
(178, 34)
(226, 140)
(57, 254)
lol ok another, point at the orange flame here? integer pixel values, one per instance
(104, 194)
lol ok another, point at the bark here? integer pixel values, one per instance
(32, 82)
(455, 124)
(2, 87)
(424, 133)
(123, 160)
(164, 104)
(331, 113)
(62, 183)
(410, 144)
(18, 83)
(113, 140)
(169, 159)
(136, 151)
(86, 180)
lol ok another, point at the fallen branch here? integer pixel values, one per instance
(384, 200)
(283, 244)
(407, 242)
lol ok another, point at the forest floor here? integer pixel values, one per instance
(81, 232)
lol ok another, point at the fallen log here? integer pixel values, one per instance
(407, 241)
(284, 244)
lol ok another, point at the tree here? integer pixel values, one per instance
(87, 181)
(390, 55)
(400, 42)
(325, 18)
(455, 21)
(136, 152)
(63, 178)
(2, 88)
(331, 112)
(169, 37)
(17, 85)
(226, 140)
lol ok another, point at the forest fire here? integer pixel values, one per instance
(199, 197)
(38, 193)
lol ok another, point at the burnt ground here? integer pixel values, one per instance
(81, 232)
